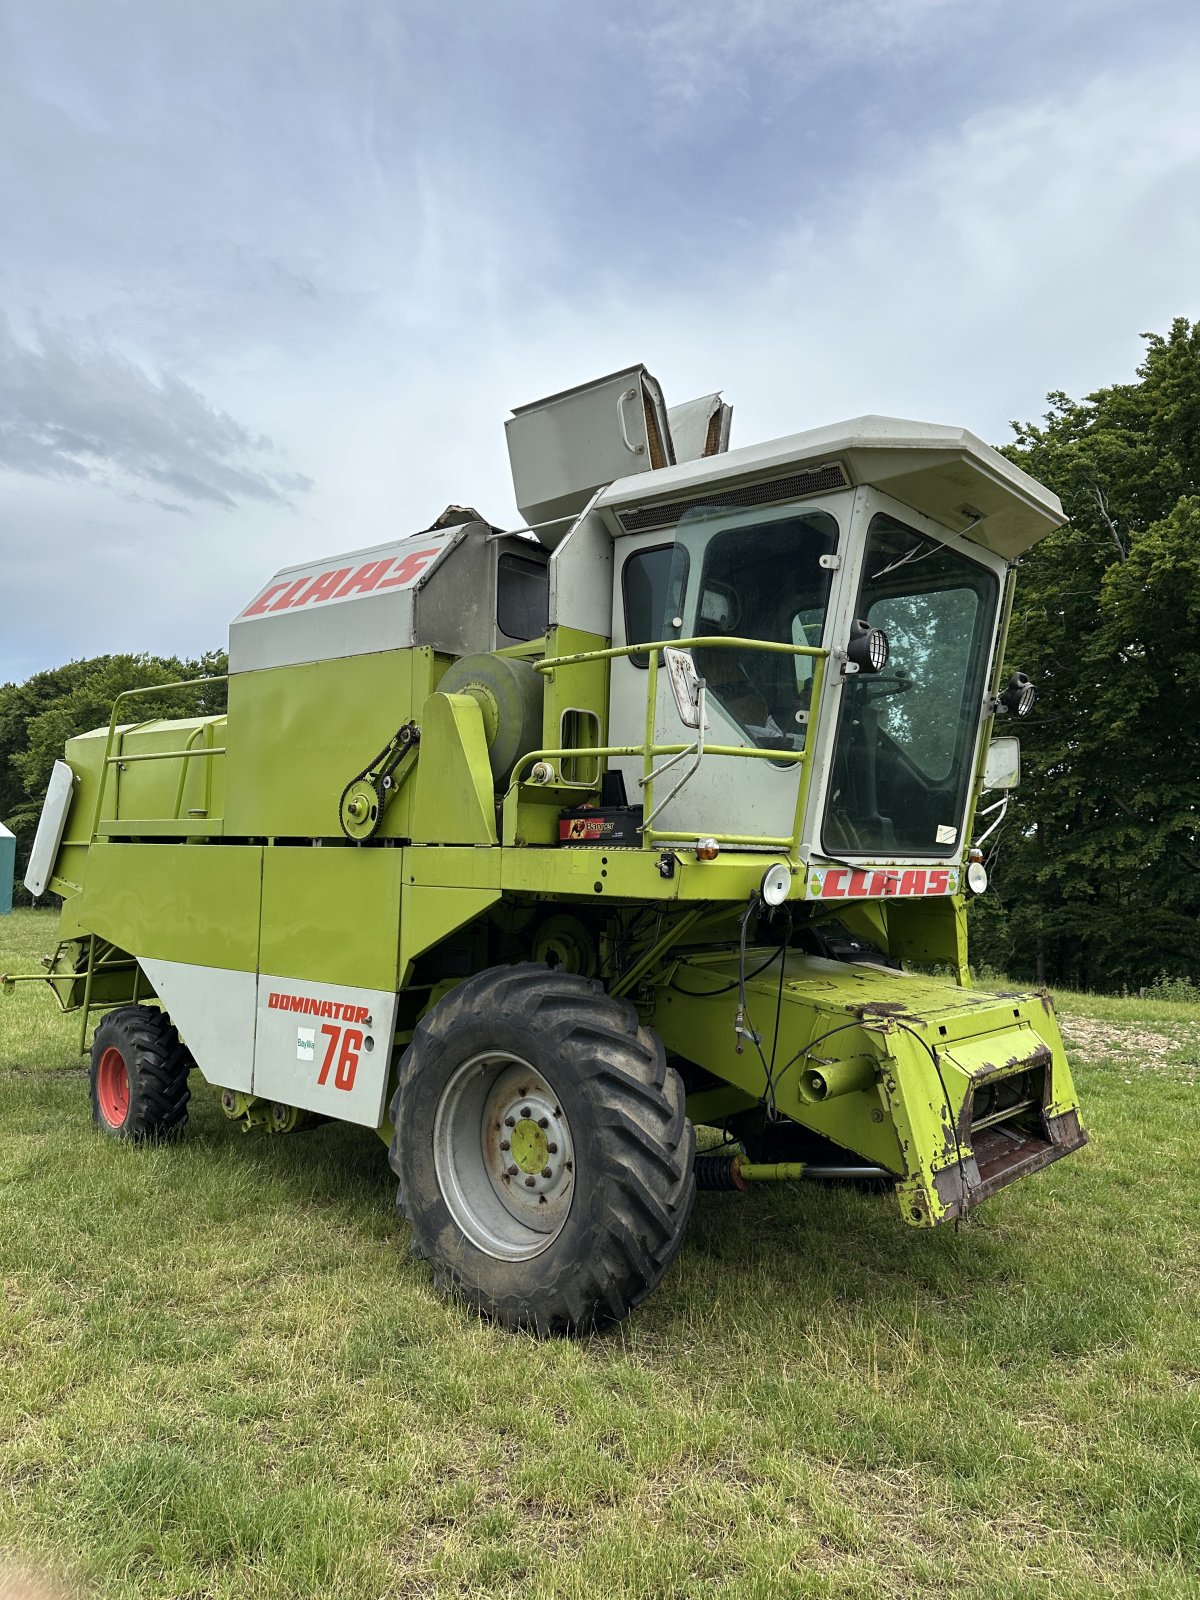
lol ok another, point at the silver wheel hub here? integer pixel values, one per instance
(504, 1156)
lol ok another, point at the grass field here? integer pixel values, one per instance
(222, 1377)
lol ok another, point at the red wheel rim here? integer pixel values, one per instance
(112, 1087)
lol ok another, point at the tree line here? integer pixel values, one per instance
(1095, 873)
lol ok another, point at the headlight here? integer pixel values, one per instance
(776, 884)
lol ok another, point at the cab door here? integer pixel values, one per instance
(751, 574)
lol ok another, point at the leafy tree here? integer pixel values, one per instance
(1098, 869)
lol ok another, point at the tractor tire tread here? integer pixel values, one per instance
(645, 1146)
(157, 1064)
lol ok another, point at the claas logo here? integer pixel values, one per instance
(339, 583)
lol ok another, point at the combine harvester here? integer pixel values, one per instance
(535, 850)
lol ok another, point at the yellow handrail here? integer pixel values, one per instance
(651, 751)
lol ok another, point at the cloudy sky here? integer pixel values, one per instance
(272, 272)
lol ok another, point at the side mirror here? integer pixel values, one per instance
(1002, 769)
(686, 685)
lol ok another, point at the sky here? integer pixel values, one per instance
(274, 272)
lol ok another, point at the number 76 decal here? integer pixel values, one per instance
(343, 1049)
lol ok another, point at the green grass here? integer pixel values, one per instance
(222, 1377)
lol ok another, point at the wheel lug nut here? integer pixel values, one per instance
(512, 1172)
(529, 1183)
(510, 1122)
(504, 1145)
(547, 1172)
(552, 1149)
(543, 1122)
(525, 1112)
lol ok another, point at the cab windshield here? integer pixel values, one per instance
(906, 736)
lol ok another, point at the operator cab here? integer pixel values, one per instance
(813, 543)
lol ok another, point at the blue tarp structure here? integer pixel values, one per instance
(8, 868)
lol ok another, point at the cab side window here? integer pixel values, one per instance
(651, 592)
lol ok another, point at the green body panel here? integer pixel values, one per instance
(331, 915)
(298, 734)
(430, 914)
(188, 786)
(197, 903)
(453, 800)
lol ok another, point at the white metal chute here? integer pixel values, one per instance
(50, 828)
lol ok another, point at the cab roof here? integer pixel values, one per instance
(943, 472)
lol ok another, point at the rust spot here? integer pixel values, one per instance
(886, 1010)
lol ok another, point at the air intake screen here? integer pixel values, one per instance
(830, 475)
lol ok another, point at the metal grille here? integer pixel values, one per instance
(816, 480)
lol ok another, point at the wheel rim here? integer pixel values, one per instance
(112, 1087)
(504, 1156)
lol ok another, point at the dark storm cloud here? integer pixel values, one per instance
(75, 409)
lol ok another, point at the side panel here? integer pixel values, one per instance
(324, 1047)
(193, 903)
(332, 915)
(214, 1012)
(297, 735)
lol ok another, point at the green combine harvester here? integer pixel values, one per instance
(536, 850)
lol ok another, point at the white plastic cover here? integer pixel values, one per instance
(50, 828)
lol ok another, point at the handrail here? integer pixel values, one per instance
(186, 754)
(718, 641)
(650, 751)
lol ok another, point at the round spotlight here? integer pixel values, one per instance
(868, 648)
(977, 878)
(1019, 695)
(776, 884)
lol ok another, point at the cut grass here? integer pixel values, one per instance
(223, 1378)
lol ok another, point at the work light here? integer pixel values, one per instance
(868, 648)
(1019, 696)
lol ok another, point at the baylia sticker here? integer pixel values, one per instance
(880, 883)
(946, 835)
(306, 1044)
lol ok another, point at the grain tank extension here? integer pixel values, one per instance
(537, 850)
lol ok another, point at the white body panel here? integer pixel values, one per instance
(50, 828)
(213, 1009)
(580, 584)
(346, 605)
(324, 1047)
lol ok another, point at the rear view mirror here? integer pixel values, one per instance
(1002, 770)
(685, 684)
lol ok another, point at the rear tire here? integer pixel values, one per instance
(543, 1150)
(139, 1076)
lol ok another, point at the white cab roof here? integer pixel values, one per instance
(945, 473)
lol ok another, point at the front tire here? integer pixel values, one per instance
(139, 1076)
(543, 1150)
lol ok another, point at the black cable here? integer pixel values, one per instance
(945, 1093)
(783, 947)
